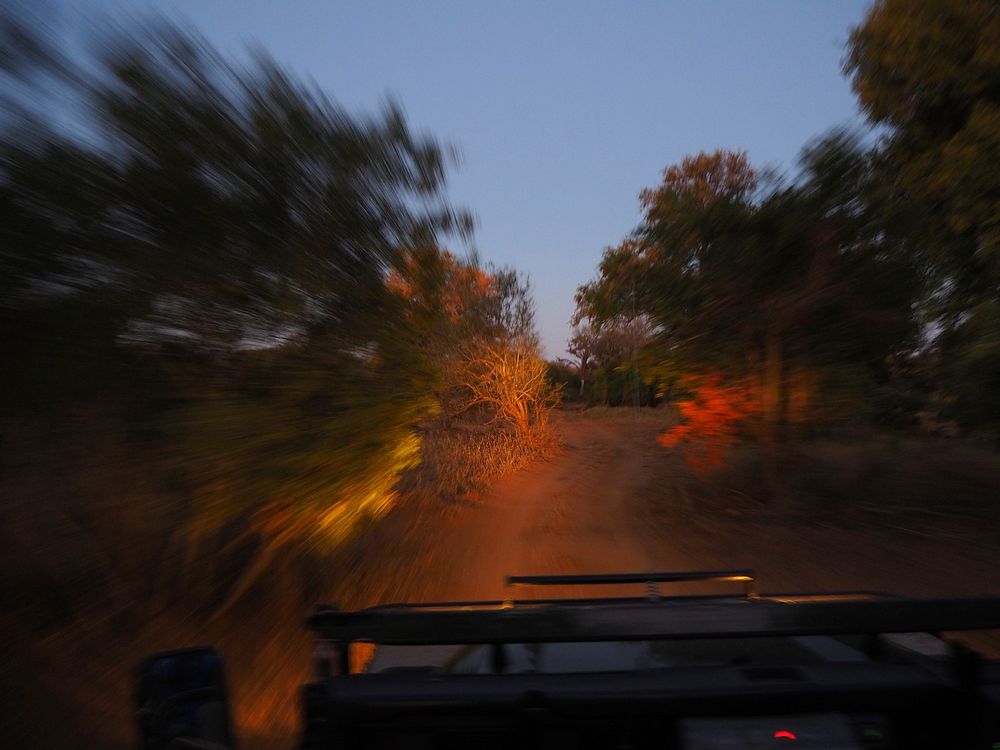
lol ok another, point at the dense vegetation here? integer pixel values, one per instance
(862, 290)
(218, 281)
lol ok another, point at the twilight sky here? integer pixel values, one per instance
(562, 111)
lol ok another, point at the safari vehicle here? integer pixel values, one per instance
(748, 670)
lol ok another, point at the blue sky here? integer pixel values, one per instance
(562, 111)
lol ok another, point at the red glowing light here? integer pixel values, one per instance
(784, 734)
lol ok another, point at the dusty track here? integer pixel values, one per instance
(607, 501)
(611, 500)
(579, 512)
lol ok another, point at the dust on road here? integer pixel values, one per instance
(609, 501)
(580, 512)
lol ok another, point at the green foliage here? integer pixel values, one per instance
(253, 279)
(763, 280)
(973, 354)
(927, 72)
(565, 377)
(615, 363)
(209, 245)
(323, 435)
(622, 385)
(211, 205)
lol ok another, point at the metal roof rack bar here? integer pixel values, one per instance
(663, 620)
(743, 575)
(490, 604)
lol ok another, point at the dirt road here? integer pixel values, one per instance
(577, 513)
(606, 502)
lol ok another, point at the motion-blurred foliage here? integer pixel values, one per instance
(489, 378)
(792, 284)
(616, 364)
(865, 289)
(245, 280)
(926, 73)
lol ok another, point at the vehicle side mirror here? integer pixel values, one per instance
(181, 701)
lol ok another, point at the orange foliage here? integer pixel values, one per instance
(711, 421)
(703, 179)
(430, 278)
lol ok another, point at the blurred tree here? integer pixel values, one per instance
(583, 346)
(927, 73)
(564, 375)
(203, 188)
(770, 282)
(210, 242)
(611, 360)
(479, 330)
(973, 367)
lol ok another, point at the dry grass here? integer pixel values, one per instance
(461, 459)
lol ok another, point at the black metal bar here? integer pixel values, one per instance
(344, 658)
(498, 658)
(743, 575)
(662, 620)
(497, 603)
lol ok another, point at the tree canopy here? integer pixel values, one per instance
(763, 276)
(251, 279)
(926, 74)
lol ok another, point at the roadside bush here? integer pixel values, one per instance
(459, 459)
